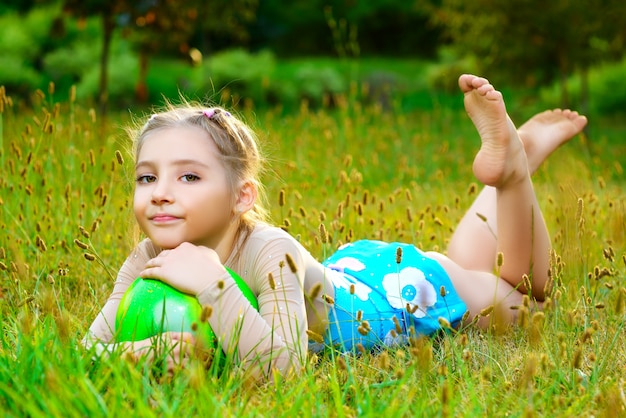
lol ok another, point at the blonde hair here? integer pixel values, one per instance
(237, 145)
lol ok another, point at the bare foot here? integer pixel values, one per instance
(501, 158)
(546, 131)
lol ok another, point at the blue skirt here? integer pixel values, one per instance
(378, 300)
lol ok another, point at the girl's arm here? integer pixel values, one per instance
(274, 338)
(101, 331)
(271, 339)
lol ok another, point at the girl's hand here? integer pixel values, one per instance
(174, 348)
(189, 268)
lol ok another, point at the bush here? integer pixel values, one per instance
(78, 53)
(314, 83)
(443, 75)
(22, 42)
(239, 72)
(607, 90)
(123, 71)
(66, 66)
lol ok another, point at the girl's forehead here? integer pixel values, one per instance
(176, 142)
(184, 138)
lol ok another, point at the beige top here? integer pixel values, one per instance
(275, 337)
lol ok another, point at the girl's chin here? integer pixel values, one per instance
(165, 244)
(168, 244)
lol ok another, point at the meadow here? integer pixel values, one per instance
(67, 226)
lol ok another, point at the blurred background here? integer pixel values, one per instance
(279, 53)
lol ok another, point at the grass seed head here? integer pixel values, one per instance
(398, 255)
(270, 280)
(620, 301)
(291, 263)
(84, 232)
(444, 323)
(314, 336)
(119, 157)
(323, 234)
(207, 310)
(523, 316)
(89, 256)
(587, 334)
(315, 291)
(80, 244)
(486, 311)
(577, 359)
(580, 207)
(281, 198)
(341, 363)
(339, 210)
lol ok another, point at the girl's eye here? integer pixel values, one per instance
(188, 178)
(145, 178)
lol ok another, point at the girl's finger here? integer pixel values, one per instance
(151, 272)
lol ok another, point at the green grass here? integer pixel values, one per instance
(61, 181)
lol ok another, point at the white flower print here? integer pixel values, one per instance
(410, 286)
(345, 281)
(348, 263)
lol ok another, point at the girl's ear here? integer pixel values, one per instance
(246, 198)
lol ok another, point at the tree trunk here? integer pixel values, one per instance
(141, 90)
(584, 95)
(564, 91)
(108, 26)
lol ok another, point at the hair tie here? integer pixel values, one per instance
(211, 113)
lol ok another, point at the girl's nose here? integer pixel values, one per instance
(162, 193)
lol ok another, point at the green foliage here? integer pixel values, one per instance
(66, 66)
(23, 39)
(239, 73)
(18, 75)
(122, 77)
(316, 27)
(443, 74)
(315, 83)
(607, 91)
(533, 42)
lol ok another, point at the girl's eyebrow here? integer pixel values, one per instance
(182, 162)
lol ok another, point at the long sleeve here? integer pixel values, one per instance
(103, 326)
(274, 338)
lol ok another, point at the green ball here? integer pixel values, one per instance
(150, 307)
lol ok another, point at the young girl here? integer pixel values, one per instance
(196, 201)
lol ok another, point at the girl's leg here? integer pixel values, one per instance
(501, 163)
(474, 242)
(480, 289)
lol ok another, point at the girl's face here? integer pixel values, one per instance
(181, 191)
